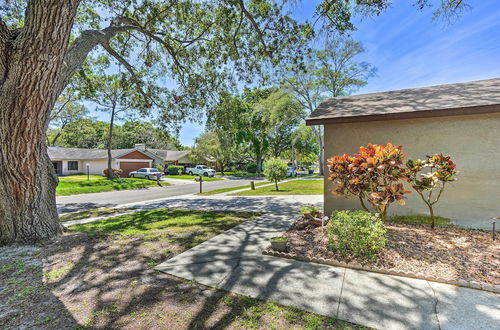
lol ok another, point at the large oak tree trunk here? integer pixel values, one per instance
(30, 65)
(318, 133)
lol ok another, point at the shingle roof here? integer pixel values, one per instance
(81, 153)
(169, 155)
(463, 98)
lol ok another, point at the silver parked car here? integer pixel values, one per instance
(147, 173)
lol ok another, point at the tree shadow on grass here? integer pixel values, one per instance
(26, 301)
(107, 281)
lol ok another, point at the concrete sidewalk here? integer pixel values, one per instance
(233, 261)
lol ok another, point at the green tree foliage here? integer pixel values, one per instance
(275, 170)
(67, 109)
(89, 133)
(277, 116)
(262, 119)
(114, 93)
(84, 133)
(304, 152)
(133, 132)
(217, 147)
(330, 72)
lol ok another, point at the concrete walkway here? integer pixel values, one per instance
(233, 261)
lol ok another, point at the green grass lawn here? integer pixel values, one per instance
(93, 213)
(420, 219)
(185, 227)
(295, 187)
(191, 177)
(223, 190)
(78, 184)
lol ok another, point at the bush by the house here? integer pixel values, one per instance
(175, 170)
(356, 233)
(374, 174)
(116, 172)
(429, 177)
(275, 170)
(252, 167)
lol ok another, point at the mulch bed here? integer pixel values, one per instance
(446, 253)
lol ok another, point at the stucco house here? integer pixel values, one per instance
(68, 161)
(461, 120)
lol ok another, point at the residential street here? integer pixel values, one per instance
(113, 198)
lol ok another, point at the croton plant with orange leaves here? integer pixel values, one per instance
(429, 175)
(374, 174)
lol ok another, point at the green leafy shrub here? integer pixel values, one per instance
(356, 233)
(275, 170)
(252, 167)
(175, 170)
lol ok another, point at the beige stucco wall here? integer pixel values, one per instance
(473, 141)
(97, 166)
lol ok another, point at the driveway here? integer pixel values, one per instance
(114, 198)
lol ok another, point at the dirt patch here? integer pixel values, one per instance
(107, 281)
(448, 253)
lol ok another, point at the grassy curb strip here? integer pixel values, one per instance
(294, 187)
(223, 190)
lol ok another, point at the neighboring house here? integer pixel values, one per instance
(461, 120)
(174, 157)
(68, 161)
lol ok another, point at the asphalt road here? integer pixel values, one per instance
(113, 198)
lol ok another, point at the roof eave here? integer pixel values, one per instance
(311, 121)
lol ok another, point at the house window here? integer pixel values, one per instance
(73, 166)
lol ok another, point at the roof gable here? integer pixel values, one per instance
(444, 100)
(134, 154)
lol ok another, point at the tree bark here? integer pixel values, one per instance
(259, 165)
(431, 211)
(31, 62)
(319, 138)
(110, 140)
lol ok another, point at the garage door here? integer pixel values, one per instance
(128, 167)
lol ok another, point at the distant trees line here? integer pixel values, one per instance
(92, 133)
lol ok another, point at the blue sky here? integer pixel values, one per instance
(409, 49)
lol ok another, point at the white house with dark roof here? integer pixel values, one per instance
(461, 120)
(69, 161)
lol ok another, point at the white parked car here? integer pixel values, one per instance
(200, 170)
(291, 171)
(147, 173)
